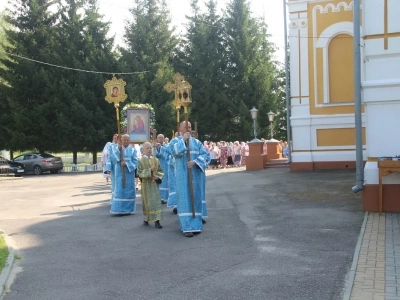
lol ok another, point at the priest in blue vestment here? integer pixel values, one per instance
(197, 163)
(161, 154)
(123, 197)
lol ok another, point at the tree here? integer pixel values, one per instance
(4, 114)
(29, 104)
(149, 47)
(86, 119)
(251, 71)
(203, 42)
(51, 107)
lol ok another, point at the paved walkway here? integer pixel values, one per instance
(375, 273)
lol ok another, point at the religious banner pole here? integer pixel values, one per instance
(175, 87)
(115, 93)
(182, 98)
(177, 120)
(187, 100)
(154, 148)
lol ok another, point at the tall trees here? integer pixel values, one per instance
(28, 102)
(86, 119)
(50, 107)
(250, 69)
(149, 47)
(4, 113)
(227, 59)
(201, 59)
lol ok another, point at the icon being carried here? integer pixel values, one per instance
(138, 125)
(115, 92)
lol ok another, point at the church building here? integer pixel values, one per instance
(322, 90)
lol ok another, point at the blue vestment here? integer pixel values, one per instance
(171, 181)
(123, 199)
(201, 157)
(161, 154)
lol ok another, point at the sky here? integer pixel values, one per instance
(117, 11)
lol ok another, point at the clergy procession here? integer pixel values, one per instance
(172, 174)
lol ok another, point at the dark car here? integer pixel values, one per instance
(8, 167)
(37, 163)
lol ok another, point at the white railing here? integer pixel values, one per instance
(85, 168)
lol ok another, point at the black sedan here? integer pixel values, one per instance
(8, 167)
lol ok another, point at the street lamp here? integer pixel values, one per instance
(271, 117)
(254, 113)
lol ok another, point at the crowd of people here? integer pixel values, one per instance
(168, 172)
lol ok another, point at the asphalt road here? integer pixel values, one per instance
(271, 234)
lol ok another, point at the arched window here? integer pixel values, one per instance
(341, 69)
(336, 43)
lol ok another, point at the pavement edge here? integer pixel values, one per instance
(9, 263)
(352, 272)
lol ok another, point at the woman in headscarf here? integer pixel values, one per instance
(236, 152)
(243, 153)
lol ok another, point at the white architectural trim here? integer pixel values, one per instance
(381, 83)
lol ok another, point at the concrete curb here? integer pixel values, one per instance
(352, 272)
(5, 273)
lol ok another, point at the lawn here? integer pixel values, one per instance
(3, 253)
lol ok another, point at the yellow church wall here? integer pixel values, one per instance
(325, 20)
(338, 137)
(340, 65)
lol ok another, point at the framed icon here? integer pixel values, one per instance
(138, 125)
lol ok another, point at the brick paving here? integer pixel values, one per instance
(392, 272)
(377, 257)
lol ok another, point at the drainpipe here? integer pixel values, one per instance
(288, 129)
(357, 99)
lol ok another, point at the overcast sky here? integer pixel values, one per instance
(116, 11)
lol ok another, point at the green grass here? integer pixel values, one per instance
(3, 253)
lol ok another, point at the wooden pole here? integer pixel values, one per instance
(177, 121)
(120, 147)
(189, 169)
(153, 160)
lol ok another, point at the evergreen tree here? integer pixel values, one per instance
(201, 59)
(86, 120)
(29, 103)
(50, 108)
(4, 114)
(149, 47)
(4, 25)
(250, 69)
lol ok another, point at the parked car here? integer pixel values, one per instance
(37, 163)
(10, 167)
